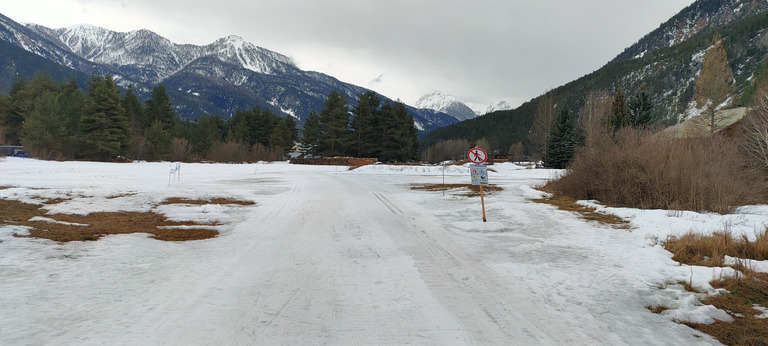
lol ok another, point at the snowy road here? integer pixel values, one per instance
(327, 257)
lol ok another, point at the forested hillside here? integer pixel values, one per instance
(664, 70)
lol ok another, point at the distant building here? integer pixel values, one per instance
(10, 150)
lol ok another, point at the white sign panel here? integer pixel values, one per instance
(479, 174)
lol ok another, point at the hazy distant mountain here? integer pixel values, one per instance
(219, 78)
(498, 106)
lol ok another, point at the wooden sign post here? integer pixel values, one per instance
(479, 172)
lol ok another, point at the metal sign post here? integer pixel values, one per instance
(479, 172)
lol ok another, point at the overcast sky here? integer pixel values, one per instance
(480, 51)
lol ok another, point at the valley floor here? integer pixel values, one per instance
(331, 256)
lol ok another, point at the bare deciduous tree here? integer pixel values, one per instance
(516, 152)
(593, 115)
(542, 123)
(755, 140)
(453, 149)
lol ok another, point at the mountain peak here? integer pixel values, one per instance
(498, 106)
(441, 102)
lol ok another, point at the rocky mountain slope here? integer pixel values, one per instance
(218, 78)
(665, 62)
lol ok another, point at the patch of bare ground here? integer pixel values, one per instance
(566, 203)
(69, 227)
(128, 194)
(215, 200)
(471, 190)
(746, 289)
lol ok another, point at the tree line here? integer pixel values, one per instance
(370, 128)
(59, 121)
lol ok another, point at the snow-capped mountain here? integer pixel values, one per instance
(220, 78)
(445, 103)
(498, 106)
(456, 108)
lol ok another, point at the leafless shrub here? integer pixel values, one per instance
(652, 171)
(454, 149)
(179, 150)
(261, 152)
(755, 139)
(230, 152)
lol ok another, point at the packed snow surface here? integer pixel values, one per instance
(332, 256)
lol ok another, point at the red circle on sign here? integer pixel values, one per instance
(477, 155)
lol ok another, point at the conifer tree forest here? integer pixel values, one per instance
(60, 121)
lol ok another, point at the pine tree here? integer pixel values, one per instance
(619, 115)
(160, 108)
(238, 130)
(640, 109)
(310, 140)
(262, 125)
(72, 101)
(291, 122)
(134, 111)
(386, 133)
(562, 141)
(44, 132)
(408, 146)
(19, 105)
(207, 132)
(158, 141)
(281, 136)
(333, 120)
(104, 128)
(362, 135)
(23, 95)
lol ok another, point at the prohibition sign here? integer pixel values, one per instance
(477, 155)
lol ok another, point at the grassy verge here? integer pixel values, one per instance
(566, 203)
(746, 289)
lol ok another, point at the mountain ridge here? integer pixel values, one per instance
(666, 69)
(220, 78)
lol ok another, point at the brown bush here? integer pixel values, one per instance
(229, 152)
(652, 171)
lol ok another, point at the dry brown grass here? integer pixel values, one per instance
(69, 227)
(657, 309)
(648, 171)
(566, 203)
(214, 200)
(709, 250)
(473, 190)
(745, 289)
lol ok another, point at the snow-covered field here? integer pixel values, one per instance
(331, 256)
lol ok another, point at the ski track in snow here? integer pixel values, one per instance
(330, 256)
